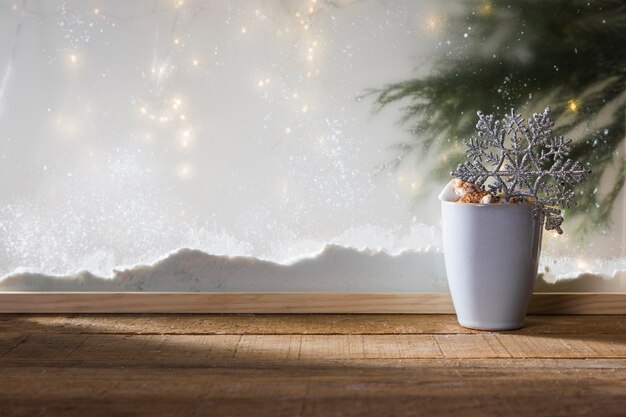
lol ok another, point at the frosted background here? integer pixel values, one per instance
(130, 129)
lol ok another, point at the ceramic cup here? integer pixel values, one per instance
(491, 253)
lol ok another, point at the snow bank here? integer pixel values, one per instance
(335, 268)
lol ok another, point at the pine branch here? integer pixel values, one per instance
(568, 52)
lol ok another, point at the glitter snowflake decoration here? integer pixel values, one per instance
(520, 162)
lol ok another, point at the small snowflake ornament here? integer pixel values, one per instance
(523, 162)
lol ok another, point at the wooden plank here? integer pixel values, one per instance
(334, 389)
(269, 347)
(400, 347)
(87, 302)
(256, 324)
(46, 346)
(471, 346)
(564, 346)
(337, 347)
(242, 324)
(9, 341)
(200, 349)
(578, 303)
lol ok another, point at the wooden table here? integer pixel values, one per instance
(309, 365)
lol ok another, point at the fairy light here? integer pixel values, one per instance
(73, 58)
(243, 30)
(305, 108)
(176, 103)
(66, 127)
(14, 7)
(487, 9)
(195, 62)
(573, 105)
(261, 83)
(434, 23)
(294, 95)
(582, 264)
(96, 11)
(179, 3)
(183, 117)
(184, 171)
(287, 130)
(177, 41)
(431, 23)
(143, 110)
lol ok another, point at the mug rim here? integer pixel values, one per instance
(493, 205)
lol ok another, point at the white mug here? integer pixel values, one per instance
(491, 253)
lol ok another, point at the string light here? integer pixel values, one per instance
(287, 130)
(434, 23)
(243, 30)
(14, 7)
(195, 62)
(66, 127)
(573, 105)
(96, 11)
(73, 58)
(487, 9)
(184, 171)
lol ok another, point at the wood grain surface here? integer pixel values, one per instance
(241, 302)
(308, 365)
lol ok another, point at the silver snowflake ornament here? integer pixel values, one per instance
(523, 162)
